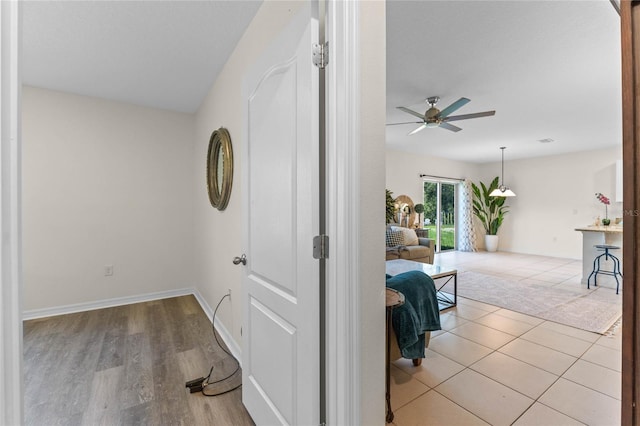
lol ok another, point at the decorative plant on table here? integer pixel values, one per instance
(391, 208)
(406, 211)
(604, 200)
(419, 208)
(490, 211)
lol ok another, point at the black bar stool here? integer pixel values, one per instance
(596, 265)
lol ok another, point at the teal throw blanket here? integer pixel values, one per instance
(418, 314)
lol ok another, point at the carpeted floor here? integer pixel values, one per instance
(592, 310)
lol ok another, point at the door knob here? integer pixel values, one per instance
(238, 260)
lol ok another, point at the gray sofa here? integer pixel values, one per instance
(423, 252)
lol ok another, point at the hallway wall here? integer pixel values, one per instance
(104, 183)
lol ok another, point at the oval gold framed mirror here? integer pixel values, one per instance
(220, 168)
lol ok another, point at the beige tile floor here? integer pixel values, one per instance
(494, 366)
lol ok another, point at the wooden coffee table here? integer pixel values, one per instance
(436, 272)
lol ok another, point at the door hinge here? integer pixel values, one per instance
(321, 54)
(321, 247)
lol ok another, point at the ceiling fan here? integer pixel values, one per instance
(433, 117)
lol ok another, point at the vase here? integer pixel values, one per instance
(491, 243)
(606, 222)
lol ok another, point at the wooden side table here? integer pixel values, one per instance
(394, 299)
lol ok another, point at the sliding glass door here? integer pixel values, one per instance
(440, 213)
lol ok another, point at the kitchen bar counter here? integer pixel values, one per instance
(609, 229)
(595, 235)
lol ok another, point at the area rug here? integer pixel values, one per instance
(591, 310)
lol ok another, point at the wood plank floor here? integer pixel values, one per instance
(127, 366)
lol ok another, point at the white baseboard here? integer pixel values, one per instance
(100, 304)
(120, 301)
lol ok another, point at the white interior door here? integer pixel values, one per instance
(280, 350)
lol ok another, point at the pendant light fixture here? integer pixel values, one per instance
(502, 190)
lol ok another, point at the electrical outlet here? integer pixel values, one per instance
(108, 270)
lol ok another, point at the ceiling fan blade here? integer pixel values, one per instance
(450, 127)
(454, 106)
(468, 116)
(406, 122)
(424, 126)
(412, 112)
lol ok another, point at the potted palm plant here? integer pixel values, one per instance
(490, 211)
(390, 207)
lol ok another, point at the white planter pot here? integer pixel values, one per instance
(491, 242)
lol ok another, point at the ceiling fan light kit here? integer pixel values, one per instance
(433, 117)
(502, 190)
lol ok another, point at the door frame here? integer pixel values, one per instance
(355, 100)
(630, 33)
(342, 92)
(11, 405)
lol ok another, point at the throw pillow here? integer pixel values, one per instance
(410, 237)
(394, 238)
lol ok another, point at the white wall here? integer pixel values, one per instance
(404, 169)
(218, 235)
(104, 183)
(372, 110)
(555, 194)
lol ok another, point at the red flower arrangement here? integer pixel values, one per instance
(604, 200)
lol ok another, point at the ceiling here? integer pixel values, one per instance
(550, 69)
(160, 54)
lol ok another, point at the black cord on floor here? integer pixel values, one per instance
(202, 383)
(215, 335)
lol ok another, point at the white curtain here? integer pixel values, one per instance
(467, 232)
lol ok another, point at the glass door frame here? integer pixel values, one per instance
(438, 237)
